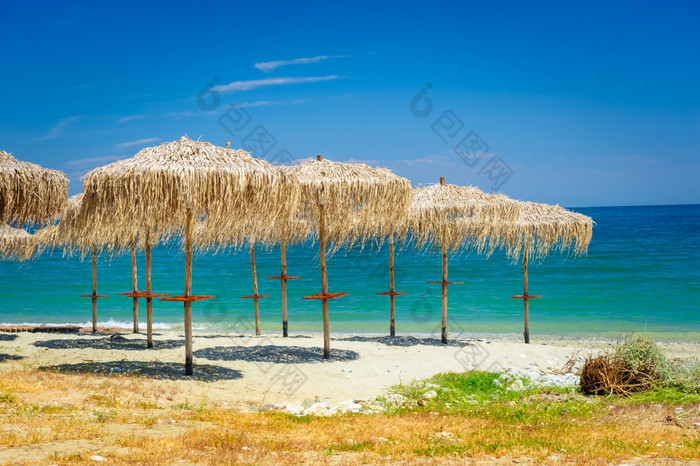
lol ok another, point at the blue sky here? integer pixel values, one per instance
(578, 104)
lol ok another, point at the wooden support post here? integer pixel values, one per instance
(94, 289)
(255, 289)
(149, 298)
(392, 288)
(444, 281)
(324, 273)
(526, 304)
(324, 282)
(188, 292)
(135, 286)
(283, 260)
(444, 293)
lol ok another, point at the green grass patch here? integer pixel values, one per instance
(670, 395)
(7, 397)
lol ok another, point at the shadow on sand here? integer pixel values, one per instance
(406, 341)
(10, 357)
(274, 354)
(152, 370)
(115, 342)
(8, 336)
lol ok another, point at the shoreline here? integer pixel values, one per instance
(241, 369)
(162, 327)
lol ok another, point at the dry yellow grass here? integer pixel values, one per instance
(66, 418)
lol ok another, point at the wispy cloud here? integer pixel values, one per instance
(127, 118)
(266, 103)
(268, 66)
(76, 169)
(258, 83)
(60, 127)
(138, 142)
(93, 160)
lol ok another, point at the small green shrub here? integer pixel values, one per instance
(640, 354)
(684, 375)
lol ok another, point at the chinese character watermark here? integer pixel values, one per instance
(469, 147)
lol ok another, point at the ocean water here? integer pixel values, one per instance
(641, 274)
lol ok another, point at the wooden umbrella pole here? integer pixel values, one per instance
(134, 285)
(444, 293)
(188, 292)
(526, 304)
(283, 260)
(255, 289)
(149, 298)
(94, 289)
(392, 288)
(324, 280)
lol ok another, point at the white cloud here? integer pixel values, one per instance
(268, 66)
(258, 83)
(265, 103)
(59, 128)
(93, 160)
(131, 118)
(138, 142)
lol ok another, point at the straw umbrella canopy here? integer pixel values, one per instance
(285, 231)
(30, 193)
(14, 243)
(539, 230)
(347, 203)
(75, 236)
(446, 216)
(167, 187)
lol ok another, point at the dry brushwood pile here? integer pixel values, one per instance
(607, 374)
(636, 364)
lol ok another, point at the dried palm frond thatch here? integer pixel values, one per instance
(347, 203)
(538, 230)
(30, 193)
(450, 217)
(455, 217)
(14, 243)
(541, 229)
(77, 236)
(156, 188)
(360, 202)
(166, 187)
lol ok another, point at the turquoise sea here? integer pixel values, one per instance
(641, 274)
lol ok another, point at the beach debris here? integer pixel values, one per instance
(317, 409)
(396, 399)
(429, 394)
(308, 402)
(516, 380)
(268, 407)
(98, 458)
(635, 364)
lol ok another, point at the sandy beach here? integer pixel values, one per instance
(239, 370)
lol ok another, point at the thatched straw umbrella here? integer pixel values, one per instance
(167, 187)
(348, 203)
(75, 236)
(539, 230)
(14, 243)
(284, 231)
(30, 193)
(63, 236)
(443, 215)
